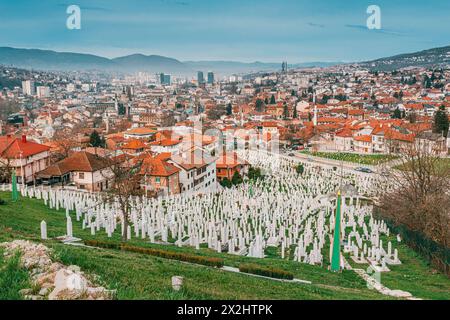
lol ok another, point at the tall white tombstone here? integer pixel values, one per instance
(69, 228)
(43, 230)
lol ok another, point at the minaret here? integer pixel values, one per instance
(107, 123)
(315, 109)
(336, 244)
(116, 104)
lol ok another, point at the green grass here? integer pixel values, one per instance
(414, 275)
(13, 277)
(138, 276)
(443, 164)
(365, 159)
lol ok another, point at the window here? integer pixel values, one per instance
(158, 179)
(81, 175)
(81, 186)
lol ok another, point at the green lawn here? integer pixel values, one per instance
(366, 159)
(137, 276)
(13, 277)
(443, 165)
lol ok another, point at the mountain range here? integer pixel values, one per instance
(436, 57)
(69, 61)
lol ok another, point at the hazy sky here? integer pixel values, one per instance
(245, 30)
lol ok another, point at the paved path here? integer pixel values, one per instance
(373, 283)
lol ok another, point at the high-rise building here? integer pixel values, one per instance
(28, 87)
(200, 77)
(167, 79)
(284, 66)
(43, 92)
(70, 87)
(210, 77)
(164, 79)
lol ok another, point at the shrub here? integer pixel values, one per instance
(186, 257)
(266, 272)
(2, 202)
(300, 168)
(102, 244)
(237, 179)
(255, 173)
(226, 183)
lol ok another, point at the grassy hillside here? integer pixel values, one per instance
(364, 159)
(137, 276)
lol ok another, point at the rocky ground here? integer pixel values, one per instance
(53, 280)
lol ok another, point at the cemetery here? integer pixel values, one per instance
(285, 222)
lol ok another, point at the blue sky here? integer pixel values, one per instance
(243, 30)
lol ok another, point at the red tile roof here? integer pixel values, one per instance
(158, 167)
(14, 148)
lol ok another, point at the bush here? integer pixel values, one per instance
(255, 173)
(236, 179)
(207, 261)
(102, 244)
(300, 168)
(226, 183)
(2, 202)
(266, 272)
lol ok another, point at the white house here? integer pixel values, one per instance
(198, 171)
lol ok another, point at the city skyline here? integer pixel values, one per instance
(296, 31)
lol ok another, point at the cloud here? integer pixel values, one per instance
(317, 25)
(180, 3)
(365, 28)
(90, 8)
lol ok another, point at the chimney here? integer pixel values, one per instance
(24, 138)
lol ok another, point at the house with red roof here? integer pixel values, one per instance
(25, 157)
(197, 170)
(343, 140)
(362, 144)
(160, 176)
(228, 164)
(85, 170)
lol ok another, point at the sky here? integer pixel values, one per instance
(239, 30)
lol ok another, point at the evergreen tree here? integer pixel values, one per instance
(397, 114)
(285, 111)
(441, 123)
(236, 179)
(96, 140)
(272, 100)
(226, 183)
(295, 115)
(259, 105)
(229, 109)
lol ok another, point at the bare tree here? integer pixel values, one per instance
(65, 141)
(8, 107)
(125, 181)
(419, 196)
(5, 170)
